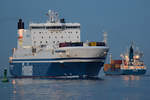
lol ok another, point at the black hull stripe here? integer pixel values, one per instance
(57, 59)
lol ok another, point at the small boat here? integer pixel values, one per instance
(130, 64)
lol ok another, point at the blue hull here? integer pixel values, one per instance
(125, 72)
(55, 69)
(134, 72)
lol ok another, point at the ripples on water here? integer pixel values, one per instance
(106, 88)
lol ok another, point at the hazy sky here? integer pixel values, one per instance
(124, 20)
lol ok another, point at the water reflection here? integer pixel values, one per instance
(126, 87)
(131, 80)
(131, 77)
(14, 89)
(45, 89)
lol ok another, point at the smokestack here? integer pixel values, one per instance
(20, 24)
(20, 32)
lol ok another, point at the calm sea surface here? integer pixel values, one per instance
(106, 88)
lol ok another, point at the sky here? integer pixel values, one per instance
(124, 21)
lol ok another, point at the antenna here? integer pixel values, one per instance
(53, 16)
(105, 37)
(110, 55)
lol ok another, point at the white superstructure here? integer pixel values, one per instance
(51, 33)
(41, 40)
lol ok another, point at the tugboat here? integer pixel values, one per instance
(130, 64)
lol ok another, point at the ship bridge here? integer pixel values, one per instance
(52, 32)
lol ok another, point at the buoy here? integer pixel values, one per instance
(5, 79)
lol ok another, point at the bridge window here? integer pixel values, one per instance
(37, 27)
(54, 27)
(72, 27)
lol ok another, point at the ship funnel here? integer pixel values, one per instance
(20, 32)
(20, 24)
(62, 20)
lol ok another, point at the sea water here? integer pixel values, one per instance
(122, 87)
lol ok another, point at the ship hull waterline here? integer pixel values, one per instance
(125, 72)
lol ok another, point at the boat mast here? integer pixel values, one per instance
(105, 37)
(53, 16)
(110, 55)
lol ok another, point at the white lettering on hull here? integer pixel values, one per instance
(27, 70)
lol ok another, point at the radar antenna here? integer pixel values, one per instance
(53, 16)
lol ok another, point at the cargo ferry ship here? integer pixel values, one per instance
(54, 49)
(130, 64)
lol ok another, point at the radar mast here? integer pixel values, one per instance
(105, 37)
(53, 16)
